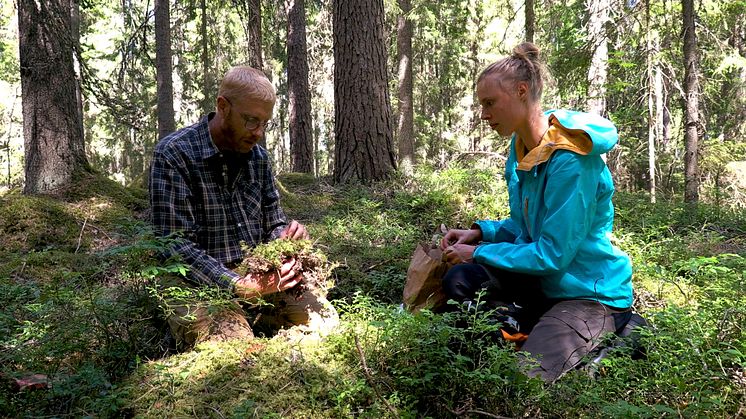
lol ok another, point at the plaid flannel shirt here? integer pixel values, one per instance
(190, 198)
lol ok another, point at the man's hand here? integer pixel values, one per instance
(294, 231)
(454, 237)
(459, 253)
(256, 285)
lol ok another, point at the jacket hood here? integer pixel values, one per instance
(601, 131)
(579, 132)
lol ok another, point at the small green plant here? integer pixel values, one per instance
(428, 364)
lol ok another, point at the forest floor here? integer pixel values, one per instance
(81, 333)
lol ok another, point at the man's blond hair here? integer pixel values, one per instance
(244, 81)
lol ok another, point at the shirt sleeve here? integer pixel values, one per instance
(274, 219)
(570, 200)
(172, 206)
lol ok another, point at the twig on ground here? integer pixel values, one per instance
(369, 378)
(213, 409)
(20, 273)
(490, 415)
(80, 236)
(462, 412)
(375, 265)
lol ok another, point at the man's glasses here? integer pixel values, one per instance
(251, 123)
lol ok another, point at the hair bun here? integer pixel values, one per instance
(526, 50)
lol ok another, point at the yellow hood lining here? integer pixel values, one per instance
(557, 137)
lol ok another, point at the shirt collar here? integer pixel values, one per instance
(205, 146)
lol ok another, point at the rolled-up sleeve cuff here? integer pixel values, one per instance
(229, 279)
(275, 233)
(220, 276)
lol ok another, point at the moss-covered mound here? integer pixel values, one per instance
(92, 213)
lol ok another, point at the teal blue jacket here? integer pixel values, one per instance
(561, 214)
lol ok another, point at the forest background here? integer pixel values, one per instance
(671, 75)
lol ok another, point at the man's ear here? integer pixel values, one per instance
(223, 106)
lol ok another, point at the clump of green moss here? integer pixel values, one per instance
(267, 257)
(35, 223)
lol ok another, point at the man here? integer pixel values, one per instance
(212, 187)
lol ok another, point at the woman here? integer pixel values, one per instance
(553, 257)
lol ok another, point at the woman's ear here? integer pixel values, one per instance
(522, 90)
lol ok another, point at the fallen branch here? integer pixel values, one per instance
(369, 378)
(80, 236)
(462, 412)
(489, 154)
(375, 265)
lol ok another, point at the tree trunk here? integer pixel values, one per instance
(253, 24)
(254, 32)
(651, 58)
(52, 126)
(730, 122)
(208, 101)
(301, 136)
(405, 128)
(164, 69)
(364, 148)
(530, 20)
(75, 34)
(598, 11)
(477, 35)
(691, 90)
(316, 143)
(652, 52)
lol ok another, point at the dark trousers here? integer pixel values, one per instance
(501, 289)
(562, 332)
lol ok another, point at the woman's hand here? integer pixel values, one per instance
(257, 285)
(459, 253)
(453, 237)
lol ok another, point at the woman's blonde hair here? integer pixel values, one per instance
(246, 81)
(523, 65)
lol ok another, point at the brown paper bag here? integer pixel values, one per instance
(426, 270)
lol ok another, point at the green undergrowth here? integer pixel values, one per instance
(72, 313)
(372, 230)
(76, 275)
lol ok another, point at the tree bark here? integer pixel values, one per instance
(530, 20)
(691, 112)
(252, 10)
(208, 101)
(364, 148)
(164, 68)
(75, 34)
(598, 11)
(477, 35)
(254, 32)
(405, 128)
(652, 51)
(54, 147)
(301, 136)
